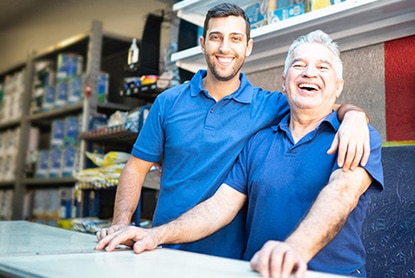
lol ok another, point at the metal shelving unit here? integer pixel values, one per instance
(101, 51)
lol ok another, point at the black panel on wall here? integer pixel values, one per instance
(150, 46)
(389, 230)
(187, 38)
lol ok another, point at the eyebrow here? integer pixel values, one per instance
(320, 60)
(218, 32)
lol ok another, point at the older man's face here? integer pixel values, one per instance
(311, 81)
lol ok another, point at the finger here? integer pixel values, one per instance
(277, 260)
(334, 145)
(262, 264)
(301, 269)
(286, 265)
(101, 234)
(103, 242)
(349, 156)
(254, 262)
(143, 245)
(358, 156)
(366, 153)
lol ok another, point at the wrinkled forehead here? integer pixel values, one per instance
(313, 51)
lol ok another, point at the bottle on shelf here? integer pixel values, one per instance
(133, 53)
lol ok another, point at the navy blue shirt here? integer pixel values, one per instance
(282, 179)
(199, 140)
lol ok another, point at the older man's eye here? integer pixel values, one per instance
(298, 66)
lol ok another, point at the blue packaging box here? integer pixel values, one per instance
(57, 133)
(282, 14)
(55, 157)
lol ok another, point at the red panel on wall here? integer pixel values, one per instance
(400, 89)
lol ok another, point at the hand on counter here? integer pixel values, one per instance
(107, 231)
(278, 260)
(138, 239)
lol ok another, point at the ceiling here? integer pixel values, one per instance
(12, 9)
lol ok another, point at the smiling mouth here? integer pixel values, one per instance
(224, 60)
(308, 87)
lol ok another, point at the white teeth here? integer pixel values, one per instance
(224, 60)
(308, 86)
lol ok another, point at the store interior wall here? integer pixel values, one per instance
(364, 88)
(40, 24)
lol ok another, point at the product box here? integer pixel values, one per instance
(10, 161)
(48, 98)
(72, 127)
(61, 94)
(257, 13)
(66, 210)
(75, 89)
(57, 133)
(282, 4)
(68, 65)
(55, 158)
(68, 161)
(44, 73)
(12, 143)
(6, 108)
(42, 165)
(313, 5)
(6, 201)
(103, 87)
(288, 12)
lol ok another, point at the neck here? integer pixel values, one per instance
(303, 123)
(219, 89)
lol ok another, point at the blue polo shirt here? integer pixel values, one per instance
(199, 139)
(282, 179)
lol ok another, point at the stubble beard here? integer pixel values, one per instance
(221, 77)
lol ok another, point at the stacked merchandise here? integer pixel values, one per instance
(11, 97)
(61, 159)
(8, 153)
(6, 199)
(57, 86)
(52, 204)
(264, 12)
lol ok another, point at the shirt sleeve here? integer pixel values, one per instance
(149, 143)
(374, 165)
(237, 177)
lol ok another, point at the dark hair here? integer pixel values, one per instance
(225, 10)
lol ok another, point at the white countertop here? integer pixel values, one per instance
(34, 250)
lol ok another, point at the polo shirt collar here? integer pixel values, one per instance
(331, 120)
(244, 93)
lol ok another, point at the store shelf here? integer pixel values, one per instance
(55, 113)
(118, 134)
(6, 184)
(9, 124)
(36, 182)
(147, 92)
(353, 24)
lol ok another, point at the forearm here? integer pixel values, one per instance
(329, 212)
(129, 190)
(203, 220)
(344, 108)
(126, 200)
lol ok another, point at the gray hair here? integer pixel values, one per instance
(318, 37)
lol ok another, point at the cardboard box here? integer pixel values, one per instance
(257, 13)
(313, 5)
(288, 12)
